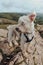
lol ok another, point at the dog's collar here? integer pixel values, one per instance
(28, 40)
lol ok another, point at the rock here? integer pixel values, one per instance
(40, 27)
(3, 33)
(11, 63)
(32, 53)
(6, 48)
(38, 60)
(1, 57)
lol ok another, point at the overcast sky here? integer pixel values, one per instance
(23, 6)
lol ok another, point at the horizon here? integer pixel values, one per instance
(20, 12)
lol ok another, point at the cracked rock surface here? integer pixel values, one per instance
(32, 54)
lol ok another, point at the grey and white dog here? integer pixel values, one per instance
(25, 25)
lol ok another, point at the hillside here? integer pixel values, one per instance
(5, 22)
(33, 55)
(14, 55)
(15, 16)
(12, 18)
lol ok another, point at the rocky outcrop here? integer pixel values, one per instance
(40, 27)
(3, 33)
(32, 54)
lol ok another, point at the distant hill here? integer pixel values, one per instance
(11, 16)
(15, 16)
(39, 18)
(7, 21)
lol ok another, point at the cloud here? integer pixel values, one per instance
(7, 4)
(21, 5)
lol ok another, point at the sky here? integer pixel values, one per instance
(21, 6)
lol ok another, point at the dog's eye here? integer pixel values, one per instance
(23, 23)
(17, 29)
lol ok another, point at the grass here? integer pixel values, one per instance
(4, 26)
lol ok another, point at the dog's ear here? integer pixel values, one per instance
(17, 29)
(32, 16)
